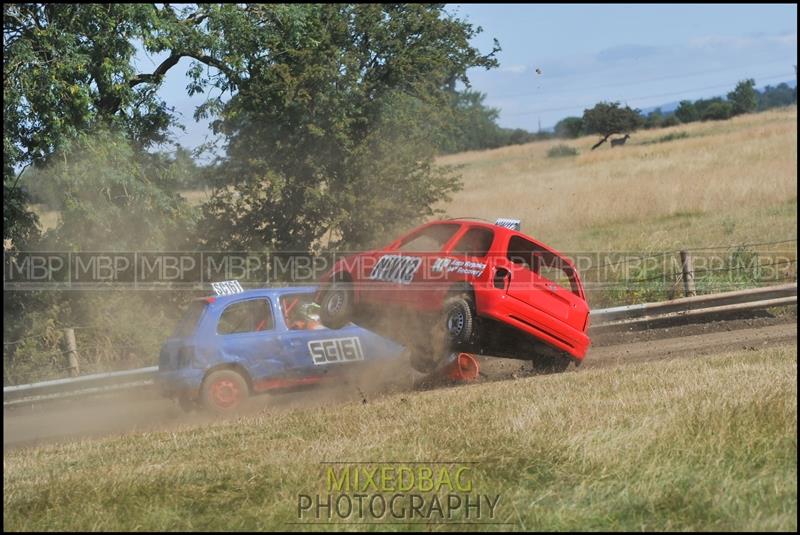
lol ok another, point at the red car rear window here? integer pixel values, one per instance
(476, 242)
(542, 262)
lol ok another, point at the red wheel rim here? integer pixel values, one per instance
(225, 393)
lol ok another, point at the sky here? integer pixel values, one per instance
(640, 55)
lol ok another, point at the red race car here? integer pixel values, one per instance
(468, 285)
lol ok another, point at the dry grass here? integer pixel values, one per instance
(728, 182)
(686, 444)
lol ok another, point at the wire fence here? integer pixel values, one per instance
(661, 254)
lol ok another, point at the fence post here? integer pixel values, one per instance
(72, 352)
(688, 274)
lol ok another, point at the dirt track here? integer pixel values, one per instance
(144, 410)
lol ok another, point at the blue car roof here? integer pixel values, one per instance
(263, 292)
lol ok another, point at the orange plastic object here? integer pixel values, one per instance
(463, 368)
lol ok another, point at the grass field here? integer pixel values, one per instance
(714, 183)
(704, 183)
(684, 444)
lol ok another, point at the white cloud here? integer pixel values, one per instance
(744, 41)
(516, 69)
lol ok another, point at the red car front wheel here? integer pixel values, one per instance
(336, 305)
(459, 320)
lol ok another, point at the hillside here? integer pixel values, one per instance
(725, 182)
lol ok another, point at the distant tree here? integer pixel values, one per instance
(607, 119)
(670, 120)
(569, 127)
(654, 119)
(744, 99)
(686, 112)
(472, 125)
(773, 97)
(717, 111)
(520, 136)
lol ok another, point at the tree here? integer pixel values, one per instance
(607, 119)
(654, 119)
(109, 195)
(744, 98)
(773, 97)
(702, 105)
(687, 112)
(717, 111)
(473, 125)
(68, 68)
(334, 128)
(670, 120)
(569, 127)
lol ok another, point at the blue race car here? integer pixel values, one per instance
(243, 342)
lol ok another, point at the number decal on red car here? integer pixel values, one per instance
(396, 268)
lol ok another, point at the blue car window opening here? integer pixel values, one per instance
(295, 314)
(253, 315)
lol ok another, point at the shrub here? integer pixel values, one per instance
(561, 151)
(669, 137)
(718, 111)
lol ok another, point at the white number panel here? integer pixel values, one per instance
(335, 350)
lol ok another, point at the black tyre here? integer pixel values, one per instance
(459, 321)
(224, 392)
(336, 305)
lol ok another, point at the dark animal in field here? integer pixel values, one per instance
(619, 141)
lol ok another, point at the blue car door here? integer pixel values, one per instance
(311, 350)
(319, 352)
(247, 330)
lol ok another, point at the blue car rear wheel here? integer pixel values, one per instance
(224, 391)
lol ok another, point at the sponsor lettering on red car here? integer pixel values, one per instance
(488, 288)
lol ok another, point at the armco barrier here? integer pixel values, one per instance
(691, 307)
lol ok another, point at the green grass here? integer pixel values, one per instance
(686, 444)
(669, 137)
(561, 151)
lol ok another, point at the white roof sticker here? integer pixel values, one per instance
(513, 224)
(227, 288)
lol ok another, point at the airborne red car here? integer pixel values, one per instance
(486, 287)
